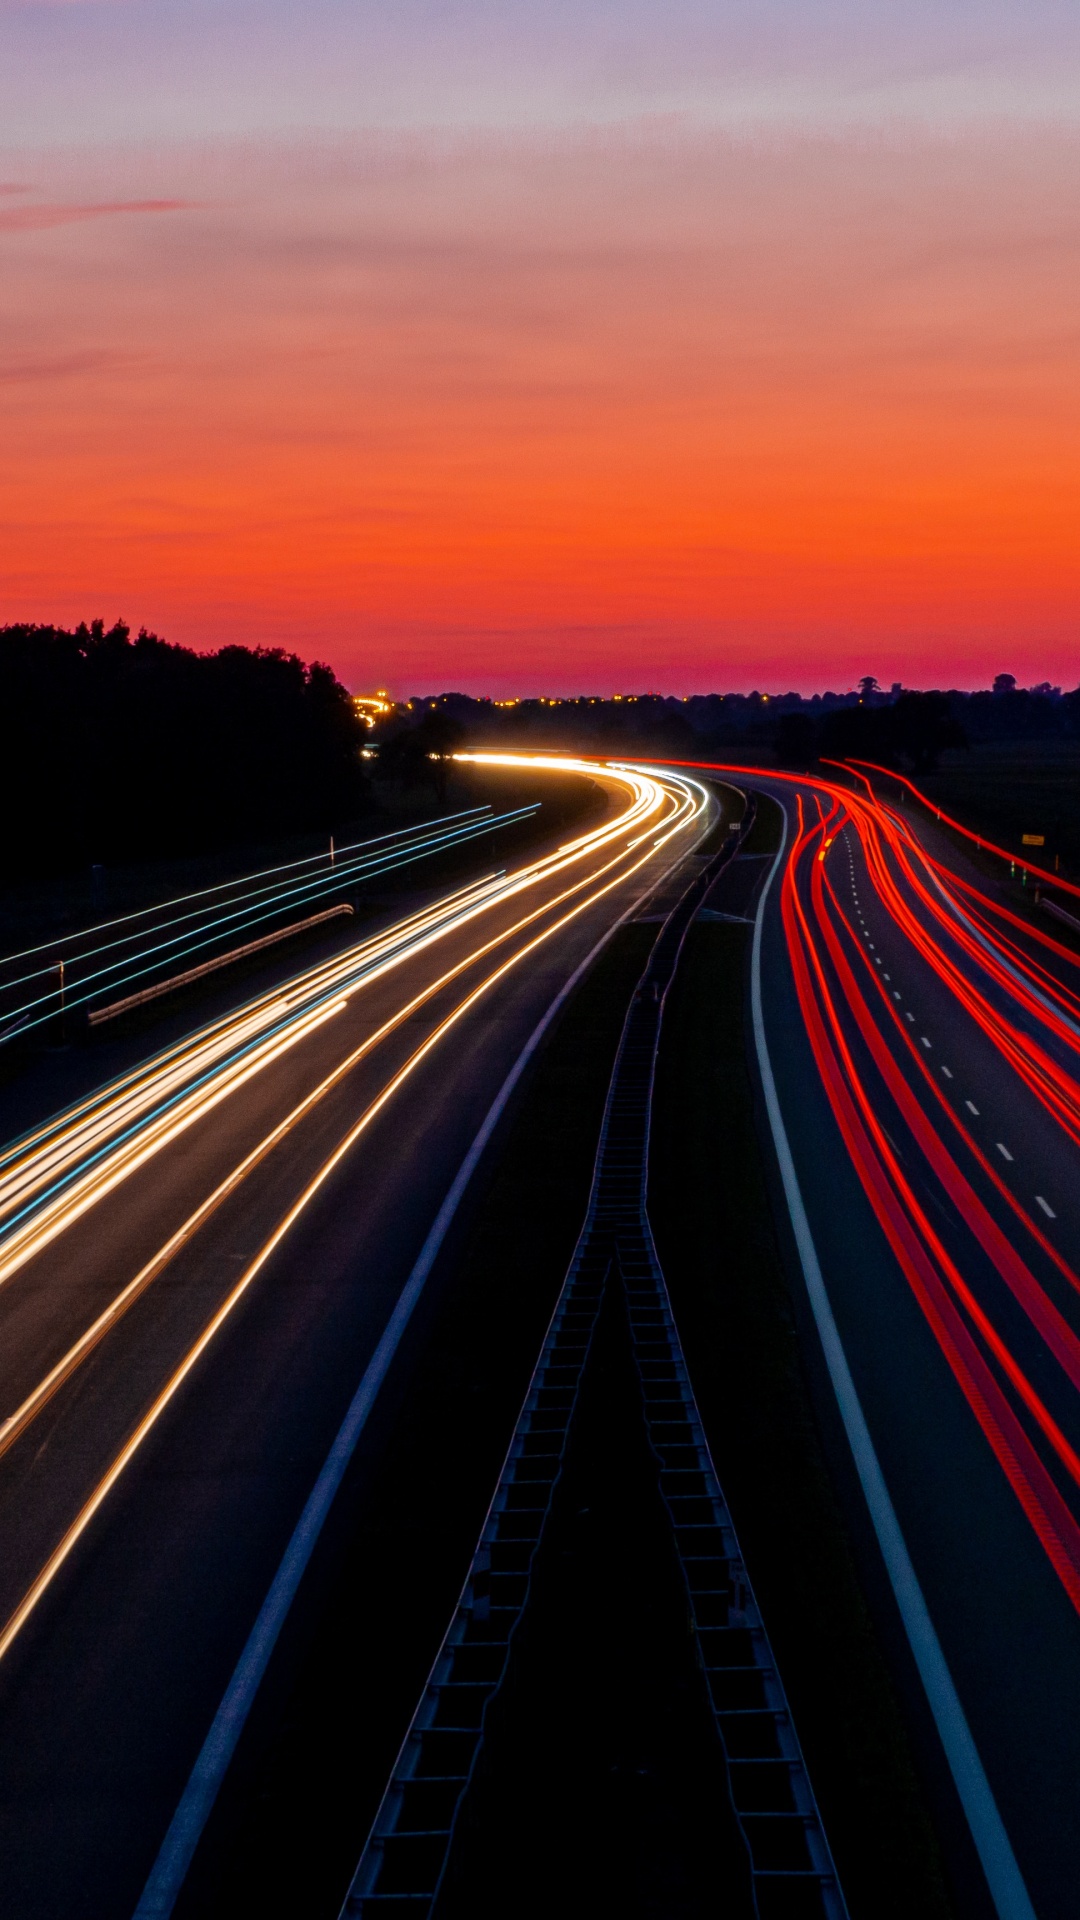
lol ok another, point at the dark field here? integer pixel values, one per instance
(1007, 790)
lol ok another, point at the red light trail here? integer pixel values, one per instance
(919, 1249)
(875, 1073)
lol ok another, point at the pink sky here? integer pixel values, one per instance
(653, 401)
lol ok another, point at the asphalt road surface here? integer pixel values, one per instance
(196, 1264)
(926, 1054)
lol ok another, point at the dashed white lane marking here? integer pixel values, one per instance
(877, 962)
(888, 976)
(947, 1071)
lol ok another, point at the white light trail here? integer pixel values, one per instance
(686, 804)
(51, 1178)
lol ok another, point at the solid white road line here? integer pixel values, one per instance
(1003, 1876)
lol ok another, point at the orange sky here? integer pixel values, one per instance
(638, 406)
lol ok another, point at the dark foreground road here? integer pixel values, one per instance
(163, 1433)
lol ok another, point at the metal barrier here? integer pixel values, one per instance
(405, 1859)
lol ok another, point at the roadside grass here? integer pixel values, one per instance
(709, 1202)
(1007, 790)
(764, 835)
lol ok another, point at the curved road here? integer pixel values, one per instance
(925, 1047)
(196, 1265)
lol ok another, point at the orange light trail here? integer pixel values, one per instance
(51, 1179)
(681, 804)
(16, 1423)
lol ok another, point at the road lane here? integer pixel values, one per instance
(48, 1179)
(955, 1296)
(233, 1456)
(117, 1136)
(925, 1040)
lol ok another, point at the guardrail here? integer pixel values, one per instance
(405, 1859)
(78, 972)
(99, 1014)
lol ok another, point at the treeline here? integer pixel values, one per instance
(114, 748)
(897, 726)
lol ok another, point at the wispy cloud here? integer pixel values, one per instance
(31, 219)
(32, 368)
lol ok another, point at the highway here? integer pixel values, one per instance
(197, 1262)
(922, 1041)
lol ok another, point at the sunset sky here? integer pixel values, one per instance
(548, 345)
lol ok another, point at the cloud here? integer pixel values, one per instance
(60, 366)
(31, 219)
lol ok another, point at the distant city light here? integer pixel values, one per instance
(371, 706)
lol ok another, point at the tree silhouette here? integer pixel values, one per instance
(114, 749)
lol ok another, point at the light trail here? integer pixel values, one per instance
(1054, 1329)
(249, 909)
(15, 1424)
(919, 1249)
(1043, 874)
(902, 1035)
(921, 1253)
(223, 886)
(687, 808)
(1053, 1085)
(906, 1139)
(51, 1179)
